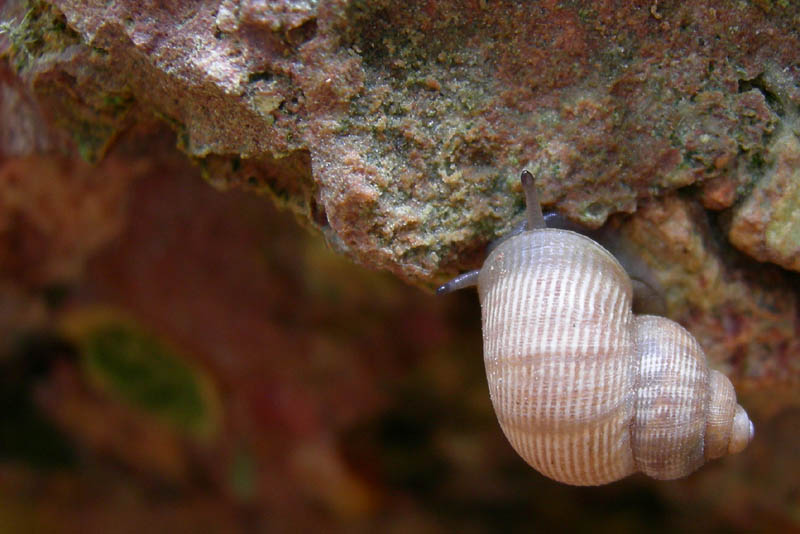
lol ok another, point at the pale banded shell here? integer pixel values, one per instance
(586, 391)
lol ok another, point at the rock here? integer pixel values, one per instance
(399, 133)
(767, 224)
(744, 316)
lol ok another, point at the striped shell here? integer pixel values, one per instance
(586, 391)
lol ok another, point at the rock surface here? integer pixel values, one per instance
(767, 223)
(399, 130)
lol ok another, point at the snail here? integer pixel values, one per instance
(586, 391)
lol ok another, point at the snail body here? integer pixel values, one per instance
(586, 391)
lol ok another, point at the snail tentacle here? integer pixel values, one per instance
(533, 207)
(468, 279)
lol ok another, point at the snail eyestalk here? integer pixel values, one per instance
(534, 209)
(468, 279)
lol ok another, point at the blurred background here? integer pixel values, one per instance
(179, 359)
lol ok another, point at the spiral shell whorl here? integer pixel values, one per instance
(719, 418)
(671, 399)
(685, 413)
(742, 433)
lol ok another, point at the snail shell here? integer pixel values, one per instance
(586, 391)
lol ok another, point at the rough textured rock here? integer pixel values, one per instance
(767, 224)
(741, 313)
(399, 129)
